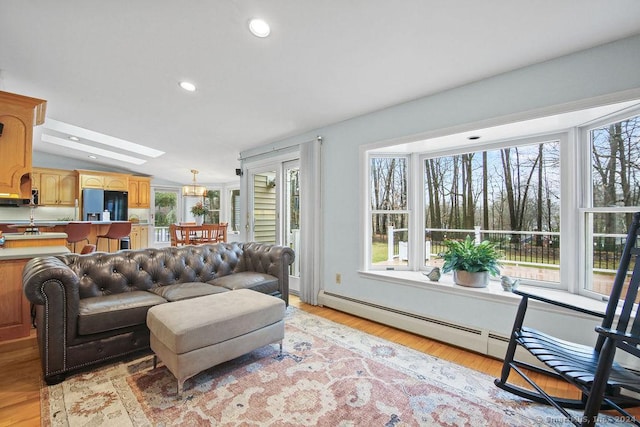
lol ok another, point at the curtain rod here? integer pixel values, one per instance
(275, 150)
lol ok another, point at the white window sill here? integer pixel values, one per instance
(492, 292)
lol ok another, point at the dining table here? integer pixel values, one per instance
(194, 234)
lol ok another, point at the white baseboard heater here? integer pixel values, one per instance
(479, 340)
(442, 330)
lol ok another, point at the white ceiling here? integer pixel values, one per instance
(113, 67)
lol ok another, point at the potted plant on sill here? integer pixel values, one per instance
(198, 210)
(471, 263)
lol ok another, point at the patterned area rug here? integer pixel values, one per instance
(328, 375)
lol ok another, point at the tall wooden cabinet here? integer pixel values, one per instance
(18, 115)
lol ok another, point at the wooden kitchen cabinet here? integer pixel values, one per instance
(103, 180)
(139, 236)
(57, 187)
(15, 317)
(18, 114)
(116, 182)
(139, 192)
(91, 181)
(35, 179)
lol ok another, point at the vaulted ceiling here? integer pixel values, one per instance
(110, 69)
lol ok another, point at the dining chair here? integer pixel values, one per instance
(192, 234)
(177, 235)
(222, 233)
(210, 233)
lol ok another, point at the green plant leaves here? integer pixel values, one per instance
(468, 256)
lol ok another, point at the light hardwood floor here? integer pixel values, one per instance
(20, 365)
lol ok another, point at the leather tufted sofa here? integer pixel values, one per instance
(92, 308)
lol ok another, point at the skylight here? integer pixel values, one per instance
(100, 138)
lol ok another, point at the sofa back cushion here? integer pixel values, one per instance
(139, 270)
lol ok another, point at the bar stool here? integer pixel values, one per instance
(77, 232)
(117, 230)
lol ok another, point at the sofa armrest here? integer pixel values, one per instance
(270, 259)
(40, 271)
(54, 288)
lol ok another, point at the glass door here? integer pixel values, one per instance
(274, 209)
(264, 207)
(291, 226)
(166, 208)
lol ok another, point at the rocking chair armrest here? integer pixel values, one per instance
(557, 303)
(618, 336)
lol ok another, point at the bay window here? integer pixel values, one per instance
(513, 192)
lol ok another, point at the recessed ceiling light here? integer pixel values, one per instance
(473, 137)
(74, 138)
(92, 157)
(259, 28)
(190, 87)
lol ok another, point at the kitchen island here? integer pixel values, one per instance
(15, 313)
(44, 238)
(139, 237)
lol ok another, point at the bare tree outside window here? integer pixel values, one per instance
(511, 193)
(389, 218)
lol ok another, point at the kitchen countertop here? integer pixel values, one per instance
(40, 236)
(45, 223)
(32, 252)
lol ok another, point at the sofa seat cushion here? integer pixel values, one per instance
(261, 282)
(115, 311)
(187, 290)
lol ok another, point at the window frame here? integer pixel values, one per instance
(368, 262)
(562, 140)
(585, 206)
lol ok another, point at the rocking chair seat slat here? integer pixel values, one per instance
(572, 360)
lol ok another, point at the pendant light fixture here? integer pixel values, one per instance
(194, 190)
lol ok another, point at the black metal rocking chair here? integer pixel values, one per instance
(592, 370)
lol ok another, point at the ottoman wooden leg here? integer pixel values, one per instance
(180, 387)
(155, 361)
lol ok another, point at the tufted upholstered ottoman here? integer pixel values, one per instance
(196, 334)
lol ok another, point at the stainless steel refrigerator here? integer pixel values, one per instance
(95, 202)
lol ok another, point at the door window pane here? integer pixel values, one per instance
(234, 215)
(264, 207)
(212, 204)
(292, 215)
(166, 212)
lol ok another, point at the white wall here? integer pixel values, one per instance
(604, 74)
